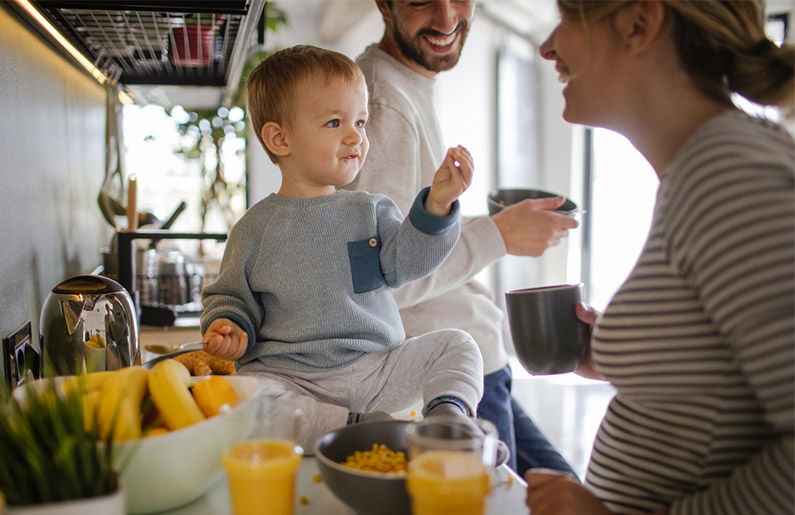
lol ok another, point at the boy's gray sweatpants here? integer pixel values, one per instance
(439, 363)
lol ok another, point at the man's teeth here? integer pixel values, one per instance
(442, 41)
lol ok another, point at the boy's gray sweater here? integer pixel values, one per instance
(307, 278)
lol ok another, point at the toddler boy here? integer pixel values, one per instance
(302, 296)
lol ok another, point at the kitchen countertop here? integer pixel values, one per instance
(507, 495)
(151, 334)
(165, 335)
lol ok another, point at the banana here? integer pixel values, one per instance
(90, 401)
(96, 341)
(156, 431)
(169, 383)
(90, 382)
(119, 407)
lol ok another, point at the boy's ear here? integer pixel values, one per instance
(275, 139)
(640, 24)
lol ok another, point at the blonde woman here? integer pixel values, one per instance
(699, 341)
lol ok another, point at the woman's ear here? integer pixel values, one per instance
(640, 24)
(275, 139)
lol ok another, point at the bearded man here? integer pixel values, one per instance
(422, 39)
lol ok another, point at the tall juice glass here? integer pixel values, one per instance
(447, 483)
(261, 474)
(262, 465)
(449, 463)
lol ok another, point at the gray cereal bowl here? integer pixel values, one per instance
(367, 493)
(499, 198)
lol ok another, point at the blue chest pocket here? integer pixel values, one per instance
(365, 264)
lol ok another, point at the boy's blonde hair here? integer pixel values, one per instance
(271, 86)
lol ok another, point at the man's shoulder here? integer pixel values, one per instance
(389, 82)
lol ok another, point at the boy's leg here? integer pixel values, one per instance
(444, 363)
(322, 396)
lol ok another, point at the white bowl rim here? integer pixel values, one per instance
(20, 392)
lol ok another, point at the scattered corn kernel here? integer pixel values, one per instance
(379, 459)
(510, 479)
(303, 500)
(317, 478)
(413, 413)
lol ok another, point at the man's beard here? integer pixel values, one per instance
(412, 49)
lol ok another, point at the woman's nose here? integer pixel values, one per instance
(547, 49)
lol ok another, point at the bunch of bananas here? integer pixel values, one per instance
(96, 341)
(135, 402)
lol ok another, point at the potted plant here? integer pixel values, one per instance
(53, 458)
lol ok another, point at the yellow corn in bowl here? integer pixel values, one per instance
(367, 492)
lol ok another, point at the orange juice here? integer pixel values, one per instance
(262, 477)
(447, 483)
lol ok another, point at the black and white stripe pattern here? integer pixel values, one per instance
(700, 340)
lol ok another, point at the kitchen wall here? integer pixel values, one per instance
(52, 157)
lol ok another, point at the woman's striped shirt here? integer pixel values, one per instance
(699, 342)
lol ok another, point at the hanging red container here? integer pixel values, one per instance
(192, 45)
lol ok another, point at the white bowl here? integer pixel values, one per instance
(163, 472)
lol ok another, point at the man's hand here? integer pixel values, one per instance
(450, 181)
(530, 227)
(225, 339)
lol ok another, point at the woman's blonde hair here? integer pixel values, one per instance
(721, 44)
(271, 86)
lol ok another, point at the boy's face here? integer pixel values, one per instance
(327, 138)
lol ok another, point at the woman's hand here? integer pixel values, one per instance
(587, 368)
(225, 339)
(554, 493)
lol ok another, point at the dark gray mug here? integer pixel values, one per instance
(547, 335)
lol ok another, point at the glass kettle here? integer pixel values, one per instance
(88, 324)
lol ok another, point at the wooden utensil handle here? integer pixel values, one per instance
(132, 208)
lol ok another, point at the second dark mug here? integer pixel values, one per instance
(547, 335)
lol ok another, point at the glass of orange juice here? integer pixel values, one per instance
(449, 463)
(261, 468)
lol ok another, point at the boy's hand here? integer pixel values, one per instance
(225, 339)
(451, 180)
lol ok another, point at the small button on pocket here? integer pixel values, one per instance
(365, 261)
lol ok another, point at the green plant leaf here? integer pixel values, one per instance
(47, 454)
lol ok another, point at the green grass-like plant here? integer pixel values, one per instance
(48, 455)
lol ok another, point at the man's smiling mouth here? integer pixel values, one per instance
(441, 40)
